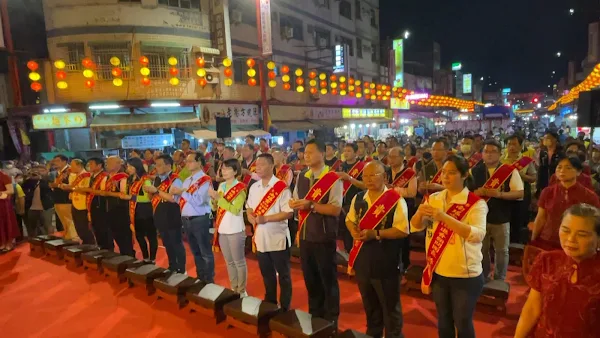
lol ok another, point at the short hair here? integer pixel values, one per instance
(299, 141)
(381, 142)
(301, 150)
(62, 157)
(492, 142)
(552, 133)
(579, 144)
(250, 146)
(262, 139)
(230, 148)
(97, 160)
(361, 141)
(399, 149)
(79, 162)
(413, 149)
(354, 146)
(468, 137)
(477, 136)
(443, 141)
(515, 136)
(150, 150)
(137, 151)
(462, 165)
(378, 163)
(331, 145)
(267, 157)
(318, 143)
(575, 161)
(233, 164)
(166, 158)
(586, 211)
(199, 157)
(252, 137)
(185, 140)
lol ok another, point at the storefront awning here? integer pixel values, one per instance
(144, 121)
(294, 125)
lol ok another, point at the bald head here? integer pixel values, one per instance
(278, 157)
(396, 157)
(113, 163)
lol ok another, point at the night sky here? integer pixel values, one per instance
(513, 41)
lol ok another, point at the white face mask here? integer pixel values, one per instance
(465, 148)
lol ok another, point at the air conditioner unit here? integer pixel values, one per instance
(212, 77)
(322, 42)
(236, 16)
(288, 32)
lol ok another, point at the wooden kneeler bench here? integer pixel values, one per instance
(515, 254)
(299, 324)
(145, 275)
(209, 299)
(93, 260)
(72, 254)
(414, 275)
(54, 248)
(36, 244)
(495, 293)
(341, 259)
(174, 287)
(115, 267)
(251, 315)
(352, 334)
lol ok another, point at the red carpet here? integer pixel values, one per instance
(39, 298)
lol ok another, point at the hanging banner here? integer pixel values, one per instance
(265, 27)
(240, 114)
(59, 121)
(398, 48)
(467, 83)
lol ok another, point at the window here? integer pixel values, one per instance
(357, 9)
(322, 38)
(243, 8)
(349, 42)
(373, 52)
(103, 52)
(240, 71)
(158, 58)
(359, 48)
(75, 53)
(346, 9)
(185, 4)
(291, 28)
(373, 19)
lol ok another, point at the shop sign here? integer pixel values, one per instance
(240, 114)
(59, 121)
(155, 141)
(322, 113)
(295, 113)
(365, 113)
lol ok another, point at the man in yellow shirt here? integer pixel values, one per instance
(80, 179)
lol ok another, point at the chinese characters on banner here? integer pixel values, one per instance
(240, 114)
(265, 25)
(293, 113)
(59, 121)
(217, 31)
(354, 113)
(156, 141)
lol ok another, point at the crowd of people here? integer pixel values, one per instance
(466, 192)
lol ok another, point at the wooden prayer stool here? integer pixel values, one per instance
(414, 275)
(251, 315)
(145, 275)
(352, 334)
(93, 260)
(36, 244)
(115, 267)
(515, 254)
(72, 254)
(209, 299)
(174, 287)
(54, 248)
(495, 293)
(299, 324)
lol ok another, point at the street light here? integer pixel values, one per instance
(553, 72)
(572, 11)
(558, 54)
(481, 78)
(406, 34)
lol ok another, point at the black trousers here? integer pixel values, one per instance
(271, 264)
(343, 232)
(118, 219)
(519, 220)
(381, 300)
(145, 230)
(320, 277)
(82, 227)
(405, 258)
(101, 229)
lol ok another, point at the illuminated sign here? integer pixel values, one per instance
(361, 113)
(340, 59)
(506, 90)
(467, 83)
(420, 96)
(398, 46)
(456, 66)
(396, 103)
(265, 27)
(155, 141)
(59, 121)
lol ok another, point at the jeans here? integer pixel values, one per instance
(273, 263)
(232, 246)
(173, 242)
(82, 226)
(499, 234)
(200, 239)
(381, 300)
(39, 222)
(455, 300)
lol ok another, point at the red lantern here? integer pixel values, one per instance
(90, 83)
(61, 75)
(200, 62)
(173, 71)
(272, 75)
(252, 81)
(250, 63)
(351, 94)
(36, 86)
(287, 86)
(378, 87)
(144, 61)
(334, 91)
(342, 86)
(299, 81)
(87, 63)
(333, 78)
(33, 66)
(117, 72)
(323, 84)
(202, 82)
(145, 81)
(313, 90)
(312, 74)
(228, 72)
(285, 69)
(351, 81)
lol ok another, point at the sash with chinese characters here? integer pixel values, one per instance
(498, 178)
(114, 179)
(404, 178)
(252, 169)
(474, 159)
(267, 202)
(164, 186)
(522, 163)
(96, 184)
(134, 192)
(229, 196)
(440, 239)
(283, 171)
(412, 161)
(177, 169)
(316, 194)
(354, 172)
(437, 179)
(336, 165)
(80, 178)
(193, 188)
(384, 204)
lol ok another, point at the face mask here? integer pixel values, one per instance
(465, 148)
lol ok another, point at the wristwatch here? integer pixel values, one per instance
(312, 206)
(377, 237)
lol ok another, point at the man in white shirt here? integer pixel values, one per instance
(272, 235)
(79, 211)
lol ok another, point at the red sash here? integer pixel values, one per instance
(441, 237)
(113, 179)
(316, 194)
(164, 186)
(474, 159)
(522, 163)
(412, 161)
(80, 178)
(134, 192)
(437, 178)
(282, 172)
(384, 204)
(368, 159)
(266, 203)
(229, 196)
(498, 178)
(65, 174)
(336, 165)
(402, 180)
(384, 160)
(252, 169)
(95, 186)
(206, 168)
(193, 188)
(354, 172)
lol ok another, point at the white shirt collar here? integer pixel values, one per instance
(460, 198)
(366, 196)
(272, 181)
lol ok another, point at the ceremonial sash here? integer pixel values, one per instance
(60, 178)
(95, 186)
(437, 178)
(266, 203)
(384, 204)
(384, 160)
(153, 172)
(252, 169)
(498, 178)
(164, 186)
(412, 161)
(112, 179)
(336, 165)
(404, 178)
(283, 171)
(206, 168)
(368, 159)
(474, 159)
(229, 196)
(354, 172)
(80, 178)
(176, 169)
(316, 194)
(193, 188)
(522, 163)
(441, 237)
(134, 191)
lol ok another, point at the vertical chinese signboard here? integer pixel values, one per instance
(217, 26)
(467, 83)
(265, 27)
(398, 47)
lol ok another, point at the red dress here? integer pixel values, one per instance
(584, 179)
(569, 310)
(8, 221)
(555, 199)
